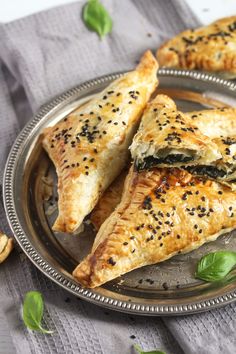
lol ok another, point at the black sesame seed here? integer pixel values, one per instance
(111, 261)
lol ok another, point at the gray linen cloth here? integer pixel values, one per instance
(41, 56)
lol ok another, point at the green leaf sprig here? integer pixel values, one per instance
(96, 18)
(33, 311)
(140, 351)
(216, 265)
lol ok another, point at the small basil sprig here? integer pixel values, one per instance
(216, 265)
(140, 351)
(33, 311)
(96, 18)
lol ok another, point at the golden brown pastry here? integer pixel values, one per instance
(167, 137)
(220, 126)
(223, 169)
(162, 213)
(215, 122)
(6, 246)
(108, 201)
(89, 147)
(209, 48)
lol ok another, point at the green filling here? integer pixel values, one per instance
(151, 161)
(210, 171)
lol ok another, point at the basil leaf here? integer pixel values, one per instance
(33, 311)
(216, 265)
(96, 18)
(140, 351)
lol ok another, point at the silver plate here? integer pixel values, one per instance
(168, 288)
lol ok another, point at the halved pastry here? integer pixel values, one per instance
(89, 147)
(215, 122)
(223, 169)
(167, 137)
(209, 48)
(108, 201)
(162, 212)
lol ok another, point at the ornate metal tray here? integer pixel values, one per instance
(168, 288)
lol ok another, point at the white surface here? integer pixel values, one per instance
(13, 9)
(210, 10)
(206, 10)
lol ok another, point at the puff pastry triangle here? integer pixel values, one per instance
(167, 137)
(94, 137)
(209, 48)
(162, 212)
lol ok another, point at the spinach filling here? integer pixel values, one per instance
(210, 171)
(151, 161)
